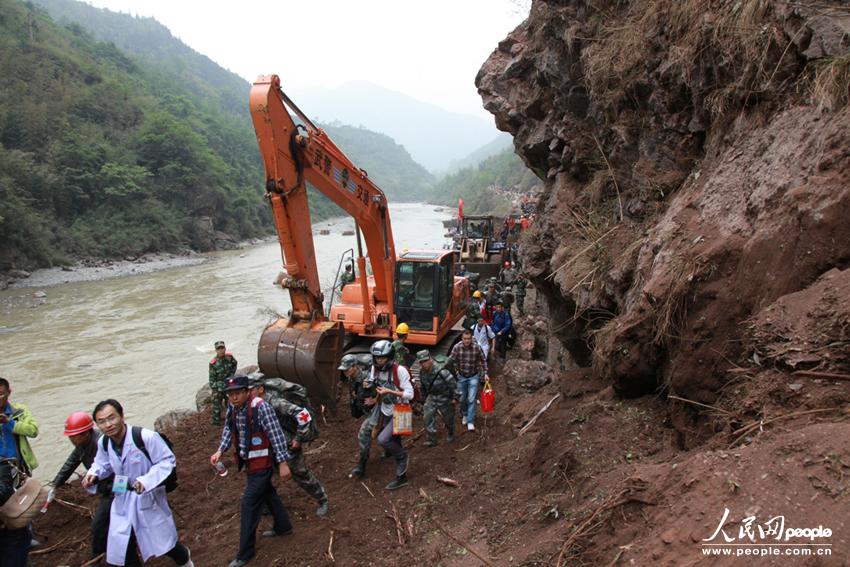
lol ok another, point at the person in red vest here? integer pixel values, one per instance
(260, 448)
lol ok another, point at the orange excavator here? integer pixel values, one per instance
(418, 287)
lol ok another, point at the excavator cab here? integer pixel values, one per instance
(424, 287)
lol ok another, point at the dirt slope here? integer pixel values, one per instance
(696, 160)
(599, 473)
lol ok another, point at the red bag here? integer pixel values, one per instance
(488, 397)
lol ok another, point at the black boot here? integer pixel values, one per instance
(450, 435)
(401, 465)
(432, 440)
(397, 483)
(360, 470)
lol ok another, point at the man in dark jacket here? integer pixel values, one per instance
(14, 544)
(80, 430)
(503, 327)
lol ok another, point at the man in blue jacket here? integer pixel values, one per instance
(502, 326)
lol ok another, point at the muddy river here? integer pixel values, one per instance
(146, 339)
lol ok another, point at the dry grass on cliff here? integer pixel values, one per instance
(829, 82)
(684, 34)
(671, 308)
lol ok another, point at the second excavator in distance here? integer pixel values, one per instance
(417, 287)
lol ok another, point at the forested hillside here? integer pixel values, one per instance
(485, 188)
(145, 145)
(388, 164)
(100, 154)
(148, 40)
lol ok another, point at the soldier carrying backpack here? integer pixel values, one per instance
(296, 417)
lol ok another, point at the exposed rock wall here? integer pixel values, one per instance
(697, 165)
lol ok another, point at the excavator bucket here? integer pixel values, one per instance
(304, 354)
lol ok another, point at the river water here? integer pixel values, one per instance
(146, 340)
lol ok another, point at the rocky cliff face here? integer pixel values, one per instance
(697, 166)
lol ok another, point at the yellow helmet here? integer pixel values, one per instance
(402, 329)
(476, 294)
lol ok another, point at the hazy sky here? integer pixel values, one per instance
(430, 50)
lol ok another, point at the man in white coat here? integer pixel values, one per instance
(484, 336)
(140, 514)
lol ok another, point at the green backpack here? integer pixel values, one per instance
(294, 394)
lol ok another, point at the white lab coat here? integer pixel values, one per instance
(147, 514)
(483, 334)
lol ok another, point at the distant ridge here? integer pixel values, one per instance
(499, 144)
(433, 136)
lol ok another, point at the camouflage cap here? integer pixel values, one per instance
(423, 355)
(219, 344)
(347, 362)
(256, 379)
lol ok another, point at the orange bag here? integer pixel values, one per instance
(402, 420)
(488, 397)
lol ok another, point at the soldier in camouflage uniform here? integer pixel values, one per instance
(507, 298)
(440, 388)
(364, 399)
(402, 353)
(391, 383)
(519, 293)
(492, 293)
(347, 276)
(222, 367)
(473, 309)
(356, 372)
(289, 401)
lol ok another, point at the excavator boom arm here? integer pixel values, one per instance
(295, 154)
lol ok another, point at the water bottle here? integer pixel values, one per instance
(50, 496)
(221, 469)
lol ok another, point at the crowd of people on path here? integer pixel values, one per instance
(267, 422)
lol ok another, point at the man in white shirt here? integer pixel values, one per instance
(484, 336)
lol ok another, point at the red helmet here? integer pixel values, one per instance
(78, 422)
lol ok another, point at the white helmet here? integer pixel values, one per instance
(382, 348)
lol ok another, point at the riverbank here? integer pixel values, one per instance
(90, 270)
(99, 269)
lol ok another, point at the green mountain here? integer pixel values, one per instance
(136, 143)
(388, 164)
(178, 66)
(103, 154)
(485, 188)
